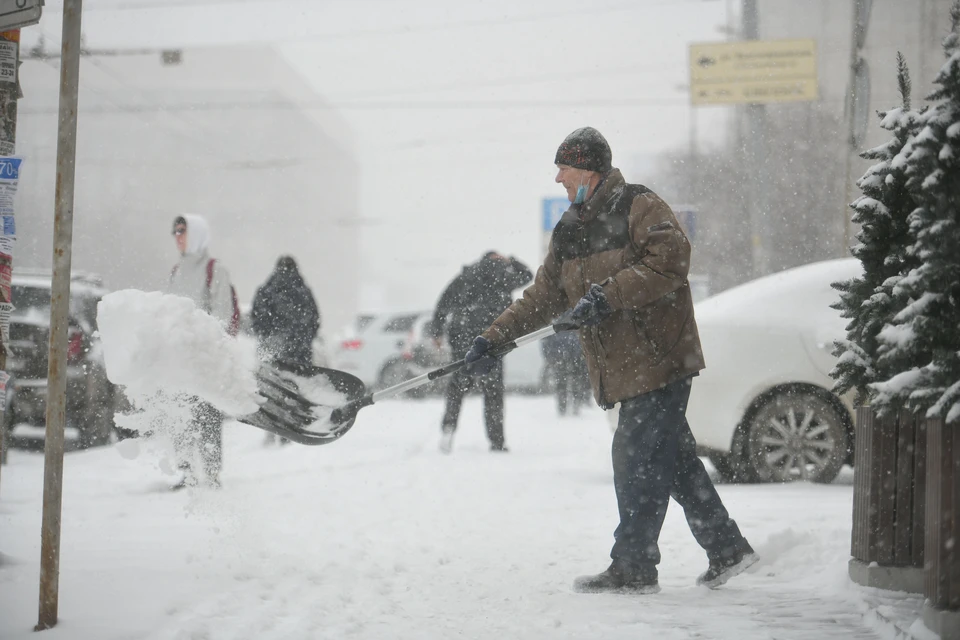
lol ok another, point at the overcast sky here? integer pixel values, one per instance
(456, 108)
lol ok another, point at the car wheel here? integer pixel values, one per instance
(796, 435)
(394, 373)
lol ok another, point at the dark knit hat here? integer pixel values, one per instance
(586, 149)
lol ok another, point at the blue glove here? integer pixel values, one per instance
(591, 308)
(478, 362)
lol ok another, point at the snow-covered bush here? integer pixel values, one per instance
(920, 348)
(873, 299)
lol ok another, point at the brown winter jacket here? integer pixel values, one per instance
(626, 239)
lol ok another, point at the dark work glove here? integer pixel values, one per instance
(478, 362)
(592, 308)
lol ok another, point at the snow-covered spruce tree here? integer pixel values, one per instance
(882, 212)
(927, 330)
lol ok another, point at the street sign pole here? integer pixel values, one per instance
(755, 151)
(856, 111)
(9, 93)
(754, 73)
(59, 308)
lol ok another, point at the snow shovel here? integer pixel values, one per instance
(287, 411)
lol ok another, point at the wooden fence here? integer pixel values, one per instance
(889, 489)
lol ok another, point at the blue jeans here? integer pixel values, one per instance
(654, 458)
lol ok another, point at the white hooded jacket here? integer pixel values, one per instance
(189, 277)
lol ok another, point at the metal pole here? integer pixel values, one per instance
(59, 307)
(9, 92)
(754, 147)
(857, 92)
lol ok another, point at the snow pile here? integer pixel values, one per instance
(156, 342)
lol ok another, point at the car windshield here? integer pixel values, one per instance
(364, 321)
(400, 324)
(33, 305)
(27, 298)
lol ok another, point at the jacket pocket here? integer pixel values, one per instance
(661, 323)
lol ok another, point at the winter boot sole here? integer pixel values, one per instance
(637, 590)
(730, 572)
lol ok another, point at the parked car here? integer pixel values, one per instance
(524, 370)
(91, 399)
(763, 409)
(418, 355)
(373, 345)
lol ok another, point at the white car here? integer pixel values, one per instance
(524, 369)
(763, 409)
(371, 350)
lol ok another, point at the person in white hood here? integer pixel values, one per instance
(205, 281)
(198, 276)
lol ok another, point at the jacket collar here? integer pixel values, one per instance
(597, 202)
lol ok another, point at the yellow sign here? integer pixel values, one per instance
(754, 71)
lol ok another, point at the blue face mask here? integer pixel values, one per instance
(581, 194)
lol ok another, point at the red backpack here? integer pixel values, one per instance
(233, 327)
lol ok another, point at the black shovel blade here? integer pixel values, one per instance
(289, 413)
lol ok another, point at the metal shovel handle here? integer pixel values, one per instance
(347, 411)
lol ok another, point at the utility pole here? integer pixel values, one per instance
(59, 309)
(754, 142)
(856, 110)
(9, 93)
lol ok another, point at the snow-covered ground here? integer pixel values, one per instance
(381, 536)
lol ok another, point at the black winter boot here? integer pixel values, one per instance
(620, 578)
(725, 567)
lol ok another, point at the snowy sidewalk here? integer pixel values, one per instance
(381, 536)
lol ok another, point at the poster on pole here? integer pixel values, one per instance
(9, 180)
(6, 271)
(6, 309)
(8, 61)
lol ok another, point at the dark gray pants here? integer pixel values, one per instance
(492, 386)
(203, 440)
(654, 458)
(573, 382)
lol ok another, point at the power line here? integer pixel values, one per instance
(268, 105)
(124, 5)
(39, 52)
(401, 30)
(526, 80)
(174, 4)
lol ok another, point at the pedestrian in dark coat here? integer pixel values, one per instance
(564, 355)
(619, 259)
(285, 317)
(468, 305)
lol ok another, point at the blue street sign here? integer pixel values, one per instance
(687, 217)
(553, 209)
(10, 168)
